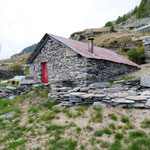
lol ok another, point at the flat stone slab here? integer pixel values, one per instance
(139, 105)
(99, 104)
(137, 98)
(146, 93)
(77, 94)
(11, 88)
(8, 115)
(113, 90)
(100, 85)
(145, 81)
(99, 95)
(85, 96)
(148, 103)
(123, 101)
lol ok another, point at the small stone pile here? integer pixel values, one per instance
(123, 94)
(11, 92)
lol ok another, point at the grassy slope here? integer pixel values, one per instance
(17, 60)
(112, 41)
(38, 125)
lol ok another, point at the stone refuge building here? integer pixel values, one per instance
(59, 59)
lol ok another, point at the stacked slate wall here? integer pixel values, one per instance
(7, 74)
(75, 68)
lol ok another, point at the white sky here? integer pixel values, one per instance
(24, 22)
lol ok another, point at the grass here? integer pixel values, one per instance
(145, 124)
(112, 126)
(104, 144)
(140, 144)
(99, 133)
(61, 128)
(89, 128)
(137, 134)
(125, 119)
(128, 77)
(78, 130)
(13, 145)
(118, 136)
(97, 115)
(113, 117)
(116, 145)
(66, 145)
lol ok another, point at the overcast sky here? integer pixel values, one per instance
(24, 22)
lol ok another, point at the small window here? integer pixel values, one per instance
(70, 52)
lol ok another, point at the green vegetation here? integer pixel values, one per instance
(143, 10)
(112, 29)
(125, 119)
(97, 115)
(108, 24)
(67, 128)
(103, 131)
(113, 117)
(137, 134)
(145, 124)
(118, 135)
(26, 71)
(137, 55)
(16, 67)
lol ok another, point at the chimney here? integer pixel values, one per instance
(91, 39)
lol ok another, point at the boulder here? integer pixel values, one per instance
(8, 115)
(139, 105)
(123, 101)
(12, 97)
(147, 103)
(137, 98)
(4, 81)
(145, 93)
(113, 90)
(99, 104)
(11, 88)
(145, 81)
(100, 85)
(77, 94)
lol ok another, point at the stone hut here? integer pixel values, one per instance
(59, 59)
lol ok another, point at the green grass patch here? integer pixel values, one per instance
(112, 126)
(104, 144)
(113, 117)
(116, 145)
(145, 124)
(63, 145)
(15, 144)
(99, 133)
(89, 128)
(137, 134)
(78, 130)
(140, 144)
(97, 115)
(125, 119)
(118, 136)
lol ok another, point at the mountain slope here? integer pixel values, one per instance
(25, 51)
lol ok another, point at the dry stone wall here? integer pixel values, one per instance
(77, 69)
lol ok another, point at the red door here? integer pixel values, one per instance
(45, 73)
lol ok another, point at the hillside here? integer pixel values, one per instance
(139, 12)
(37, 124)
(26, 50)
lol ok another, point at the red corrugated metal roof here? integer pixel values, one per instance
(99, 53)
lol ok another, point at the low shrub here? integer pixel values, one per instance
(16, 67)
(137, 55)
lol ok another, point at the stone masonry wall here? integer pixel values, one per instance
(60, 66)
(75, 68)
(101, 70)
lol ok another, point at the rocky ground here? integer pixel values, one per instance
(33, 121)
